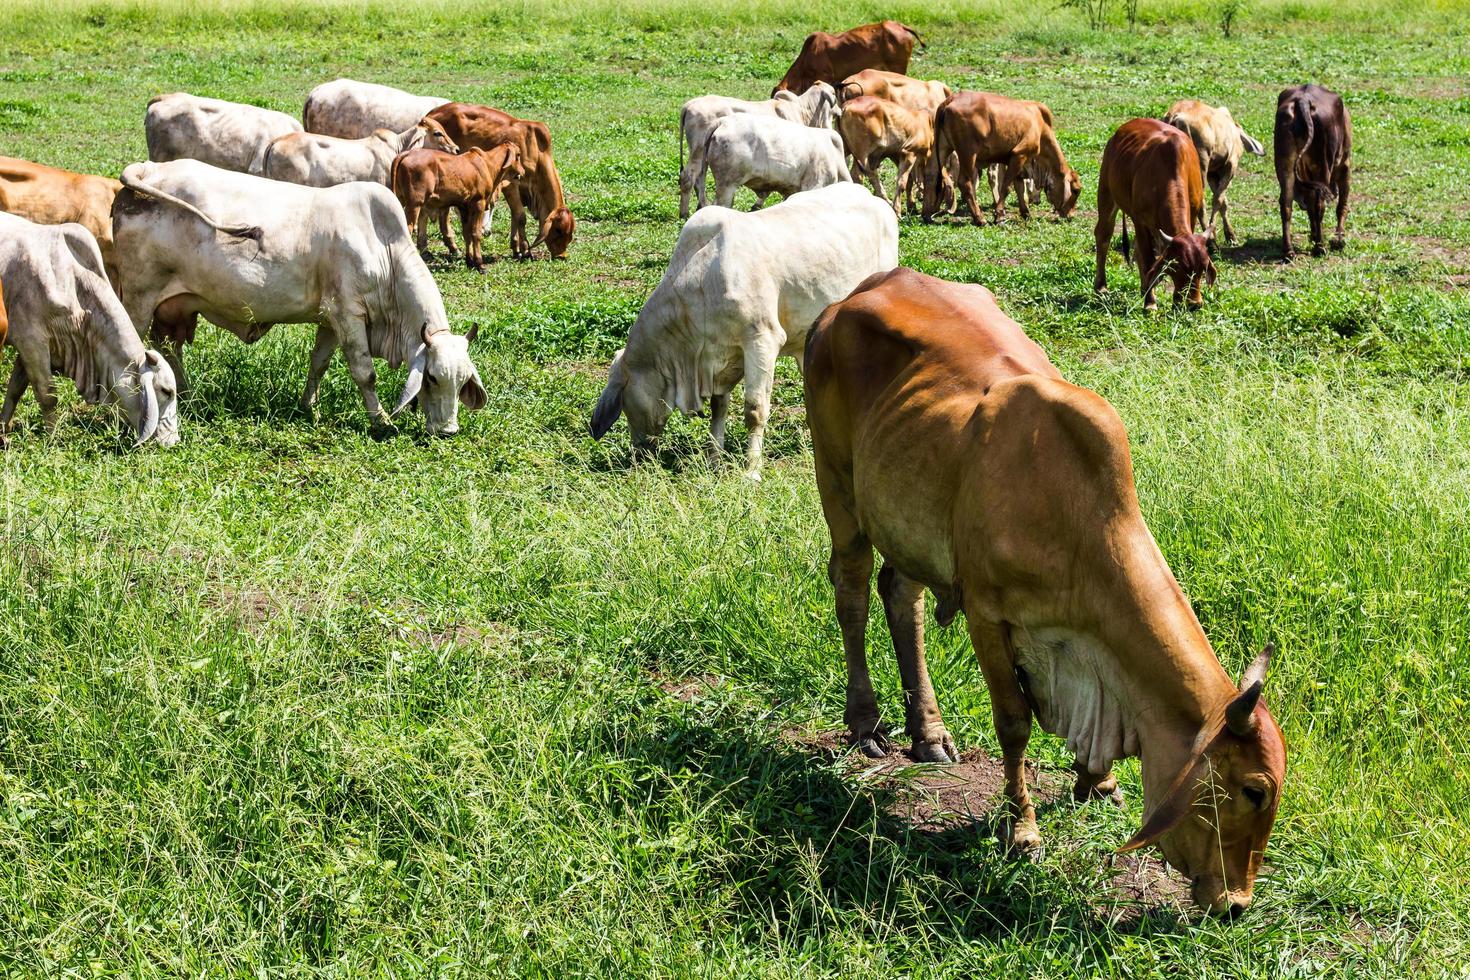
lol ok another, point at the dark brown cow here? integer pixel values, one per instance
(1314, 146)
(946, 440)
(427, 180)
(477, 125)
(831, 58)
(983, 129)
(1150, 172)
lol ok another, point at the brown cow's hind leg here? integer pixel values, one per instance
(851, 570)
(903, 605)
(1103, 236)
(1092, 787)
(1344, 185)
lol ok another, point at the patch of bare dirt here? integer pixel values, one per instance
(595, 370)
(493, 635)
(695, 687)
(252, 607)
(933, 798)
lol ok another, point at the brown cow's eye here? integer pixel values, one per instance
(1256, 796)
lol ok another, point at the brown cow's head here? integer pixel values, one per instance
(557, 231)
(1063, 191)
(1186, 261)
(1212, 819)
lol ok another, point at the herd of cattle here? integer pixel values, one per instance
(944, 438)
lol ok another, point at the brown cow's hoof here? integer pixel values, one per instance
(1022, 836)
(940, 750)
(1318, 250)
(1338, 244)
(874, 744)
(1087, 791)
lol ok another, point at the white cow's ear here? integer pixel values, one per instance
(610, 405)
(415, 379)
(472, 393)
(149, 425)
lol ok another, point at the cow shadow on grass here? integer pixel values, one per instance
(1252, 250)
(807, 839)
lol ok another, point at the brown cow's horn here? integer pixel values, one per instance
(1240, 713)
(1166, 237)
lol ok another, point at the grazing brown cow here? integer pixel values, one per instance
(984, 129)
(427, 180)
(540, 188)
(49, 196)
(831, 58)
(874, 130)
(1151, 173)
(946, 440)
(1314, 148)
(1218, 141)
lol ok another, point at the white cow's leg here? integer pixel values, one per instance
(903, 605)
(14, 389)
(353, 338)
(760, 374)
(38, 371)
(321, 356)
(719, 411)
(760, 201)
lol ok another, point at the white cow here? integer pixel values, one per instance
(771, 156)
(248, 253)
(65, 319)
(323, 161)
(352, 110)
(741, 290)
(699, 117)
(231, 135)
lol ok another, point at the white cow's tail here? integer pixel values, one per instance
(238, 231)
(682, 113)
(704, 152)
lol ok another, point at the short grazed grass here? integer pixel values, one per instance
(289, 701)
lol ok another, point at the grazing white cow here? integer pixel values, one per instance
(65, 319)
(231, 135)
(248, 253)
(699, 117)
(323, 161)
(741, 290)
(352, 110)
(771, 155)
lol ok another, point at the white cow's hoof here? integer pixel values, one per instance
(753, 475)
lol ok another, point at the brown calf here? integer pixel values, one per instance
(831, 58)
(1314, 147)
(49, 196)
(875, 130)
(945, 440)
(540, 189)
(427, 180)
(984, 129)
(1151, 173)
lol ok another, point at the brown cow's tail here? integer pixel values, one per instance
(922, 45)
(1123, 221)
(237, 231)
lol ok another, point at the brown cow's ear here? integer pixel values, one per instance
(1171, 812)
(1209, 271)
(1151, 279)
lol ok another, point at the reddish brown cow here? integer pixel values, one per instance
(1150, 172)
(945, 440)
(49, 196)
(427, 180)
(540, 189)
(831, 58)
(1314, 146)
(984, 129)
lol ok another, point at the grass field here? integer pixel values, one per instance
(288, 701)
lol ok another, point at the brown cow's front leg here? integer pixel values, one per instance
(1103, 237)
(1011, 177)
(968, 175)
(1344, 185)
(1146, 248)
(447, 237)
(903, 605)
(1089, 787)
(520, 247)
(1012, 724)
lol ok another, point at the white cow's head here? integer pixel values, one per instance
(640, 395)
(148, 395)
(819, 101)
(440, 376)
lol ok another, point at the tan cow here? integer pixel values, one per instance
(49, 196)
(875, 130)
(911, 93)
(946, 440)
(984, 129)
(427, 180)
(1219, 141)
